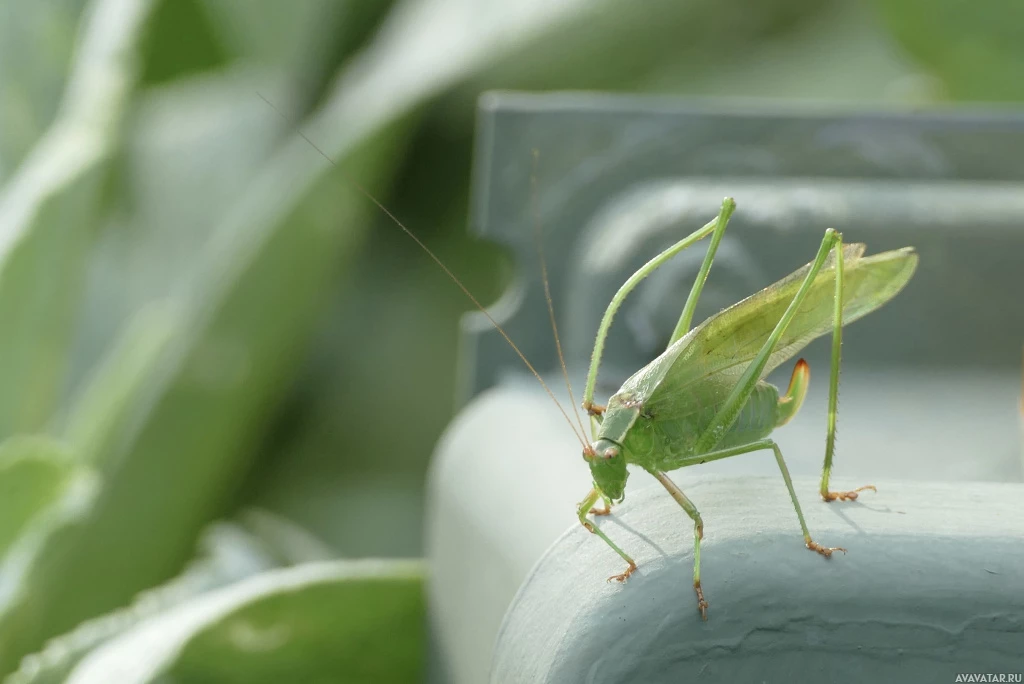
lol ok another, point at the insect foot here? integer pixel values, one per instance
(702, 605)
(593, 409)
(601, 511)
(825, 551)
(622, 577)
(847, 496)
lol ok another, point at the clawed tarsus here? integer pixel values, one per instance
(623, 576)
(847, 496)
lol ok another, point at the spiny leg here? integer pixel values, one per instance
(698, 534)
(843, 496)
(833, 390)
(718, 227)
(683, 325)
(581, 510)
(825, 551)
(758, 446)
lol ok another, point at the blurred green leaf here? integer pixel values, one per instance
(47, 226)
(164, 212)
(44, 533)
(228, 554)
(47, 212)
(187, 432)
(305, 41)
(34, 472)
(351, 621)
(167, 57)
(291, 544)
(36, 40)
(282, 34)
(118, 382)
(975, 48)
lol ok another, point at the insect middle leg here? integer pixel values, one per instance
(698, 534)
(586, 506)
(759, 446)
(716, 228)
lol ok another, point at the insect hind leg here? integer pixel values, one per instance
(851, 495)
(833, 386)
(730, 408)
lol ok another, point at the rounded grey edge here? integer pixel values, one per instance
(932, 586)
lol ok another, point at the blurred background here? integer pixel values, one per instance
(220, 359)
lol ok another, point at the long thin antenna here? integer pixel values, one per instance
(538, 239)
(437, 260)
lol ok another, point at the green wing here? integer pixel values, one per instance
(710, 358)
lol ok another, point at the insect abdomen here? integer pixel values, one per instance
(654, 440)
(757, 419)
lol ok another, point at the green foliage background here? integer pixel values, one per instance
(202, 320)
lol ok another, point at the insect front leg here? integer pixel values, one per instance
(683, 325)
(717, 227)
(833, 390)
(604, 510)
(698, 534)
(586, 506)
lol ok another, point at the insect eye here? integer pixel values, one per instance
(611, 452)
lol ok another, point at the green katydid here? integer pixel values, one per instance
(704, 398)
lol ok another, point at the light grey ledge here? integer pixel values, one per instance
(507, 475)
(932, 586)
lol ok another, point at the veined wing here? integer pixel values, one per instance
(715, 353)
